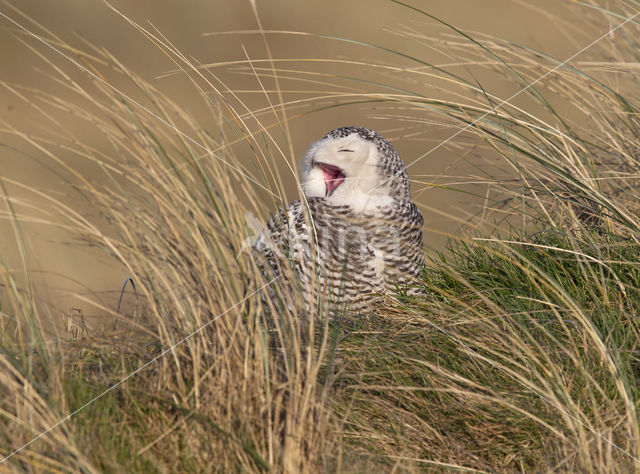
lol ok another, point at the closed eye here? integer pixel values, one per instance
(346, 151)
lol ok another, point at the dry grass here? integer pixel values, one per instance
(522, 356)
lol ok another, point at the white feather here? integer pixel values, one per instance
(362, 189)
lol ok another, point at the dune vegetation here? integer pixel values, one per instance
(522, 355)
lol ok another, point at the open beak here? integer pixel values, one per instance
(333, 176)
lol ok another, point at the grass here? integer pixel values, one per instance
(520, 351)
(522, 355)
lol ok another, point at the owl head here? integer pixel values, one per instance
(354, 166)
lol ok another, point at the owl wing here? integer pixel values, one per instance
(398, 238)
(275, 244)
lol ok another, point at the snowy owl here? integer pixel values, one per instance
(356, 233)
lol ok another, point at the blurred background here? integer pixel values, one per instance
(331, 57)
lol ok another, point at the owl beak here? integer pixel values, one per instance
(333, 177)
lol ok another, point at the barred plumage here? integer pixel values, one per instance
(357, 233)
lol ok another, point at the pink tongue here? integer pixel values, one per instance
(333, 179)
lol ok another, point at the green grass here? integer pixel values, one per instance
(486, 366)
(516, 358)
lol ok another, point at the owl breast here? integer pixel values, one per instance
(346, 258)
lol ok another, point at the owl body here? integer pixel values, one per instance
(356, 234)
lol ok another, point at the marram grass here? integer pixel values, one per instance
(522, 354)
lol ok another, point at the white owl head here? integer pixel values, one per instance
(354, 166)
